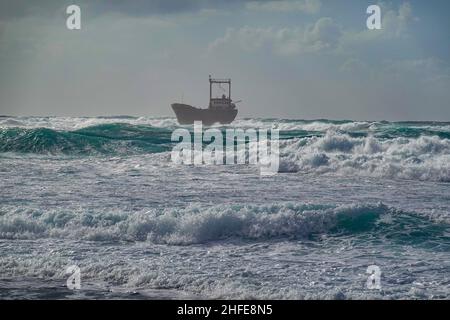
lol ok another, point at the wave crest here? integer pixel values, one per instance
(109, 139)
(422, 158)
(197, 224)
(417, 151)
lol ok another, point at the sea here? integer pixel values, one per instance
(102, 194)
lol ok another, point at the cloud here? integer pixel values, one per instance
(395, 25)
(354, 66)
(138, 8)
(423, 73)
(146, 7)
(307, 6)
(427, 69)
(321, 36)
(325, 34)
(398, 23)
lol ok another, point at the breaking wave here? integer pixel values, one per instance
(197, 224)
(109, 139)
(422, 158)
(400, 150)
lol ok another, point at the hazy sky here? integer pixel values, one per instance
(288, 59)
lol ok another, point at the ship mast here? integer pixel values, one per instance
(219, 81)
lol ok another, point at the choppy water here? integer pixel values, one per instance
(102, 193)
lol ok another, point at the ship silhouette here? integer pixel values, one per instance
(220, 110)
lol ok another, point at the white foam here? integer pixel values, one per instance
(194, 224)
(75, 123)
(422, 158)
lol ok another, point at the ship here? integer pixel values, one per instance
(220, 110)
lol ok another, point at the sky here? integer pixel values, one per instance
(297, 59)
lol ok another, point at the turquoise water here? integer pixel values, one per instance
(102, 193)
(117, 138)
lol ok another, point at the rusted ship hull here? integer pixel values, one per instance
(187, 114)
